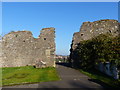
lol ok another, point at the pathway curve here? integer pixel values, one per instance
(70, 78)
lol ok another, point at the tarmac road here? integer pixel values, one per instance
(70, 78)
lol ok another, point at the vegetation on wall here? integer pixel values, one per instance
(102, 48)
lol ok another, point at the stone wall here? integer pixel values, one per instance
(21, 48)
(89, 30)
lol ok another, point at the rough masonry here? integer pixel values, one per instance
(21, 48)
(89, 30)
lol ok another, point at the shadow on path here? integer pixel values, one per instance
(64, 64)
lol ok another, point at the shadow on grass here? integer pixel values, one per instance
(100, 83)
(101, 78)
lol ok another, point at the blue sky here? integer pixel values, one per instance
(60, 0)
(66, 17)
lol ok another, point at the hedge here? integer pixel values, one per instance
(102, 48)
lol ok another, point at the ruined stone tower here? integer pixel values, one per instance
(90, 30)
(21, 48)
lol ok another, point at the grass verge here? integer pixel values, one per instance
(27, 74)
(101, 77)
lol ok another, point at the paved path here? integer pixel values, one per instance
(70, 78)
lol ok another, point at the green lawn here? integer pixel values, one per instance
(28, 74)
(101, 77)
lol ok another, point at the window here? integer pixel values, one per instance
(81, 34)
(44, 38)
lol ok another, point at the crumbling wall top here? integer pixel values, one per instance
(103, 20)
(21, 48)
(89, 30)
(51, 28)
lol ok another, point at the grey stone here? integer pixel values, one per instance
(89, 30)
(21, 48)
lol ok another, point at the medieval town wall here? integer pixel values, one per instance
(21, 48)
(89, 30)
